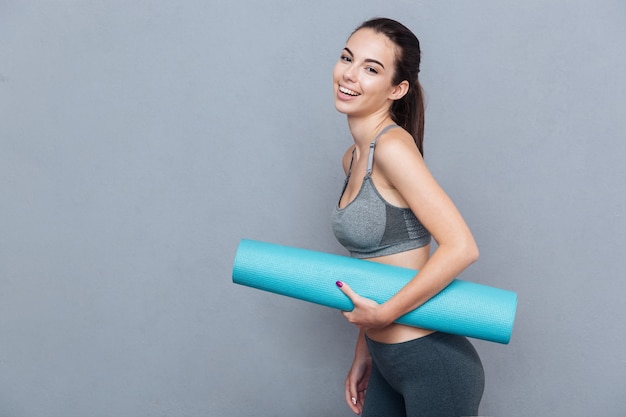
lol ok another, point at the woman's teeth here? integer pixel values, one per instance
(348, 91)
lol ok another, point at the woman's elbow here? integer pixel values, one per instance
(463, 250)
(473, 254)
(469, 251)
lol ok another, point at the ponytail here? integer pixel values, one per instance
(408, 112)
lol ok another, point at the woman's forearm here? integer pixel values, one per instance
(361, 352)
(444, 266)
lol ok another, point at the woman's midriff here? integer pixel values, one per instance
(398, 333)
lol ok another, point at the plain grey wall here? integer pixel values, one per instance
(139, 141)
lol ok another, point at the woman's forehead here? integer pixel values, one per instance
(368, 44)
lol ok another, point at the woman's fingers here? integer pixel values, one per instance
(345, 288)
(352, 397)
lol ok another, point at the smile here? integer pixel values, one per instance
(348, 91)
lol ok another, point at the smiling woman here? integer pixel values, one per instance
(389, 209)
(395, 57)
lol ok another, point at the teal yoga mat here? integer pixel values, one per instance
(463, 308)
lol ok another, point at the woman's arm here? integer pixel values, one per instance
(402, 174)
(358, 376)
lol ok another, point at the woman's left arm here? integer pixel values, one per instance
(402, 166)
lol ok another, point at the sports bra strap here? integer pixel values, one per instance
(370, 159)
(350, 167)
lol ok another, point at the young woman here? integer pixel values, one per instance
(389, 208)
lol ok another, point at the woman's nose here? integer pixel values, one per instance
(349, 74)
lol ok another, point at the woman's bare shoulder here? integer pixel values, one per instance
(397, 147)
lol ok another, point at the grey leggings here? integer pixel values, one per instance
(439, 375)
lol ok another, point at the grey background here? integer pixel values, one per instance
(139, 141)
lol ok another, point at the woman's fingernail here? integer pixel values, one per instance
(339, 284)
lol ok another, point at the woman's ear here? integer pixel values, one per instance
(399, 90)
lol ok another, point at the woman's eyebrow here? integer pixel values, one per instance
(367, 60)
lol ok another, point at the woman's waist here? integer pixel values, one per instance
(397, 333)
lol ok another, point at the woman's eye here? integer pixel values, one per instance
(346, 58)
(371, 70)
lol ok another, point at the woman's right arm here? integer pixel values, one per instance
(359, 375)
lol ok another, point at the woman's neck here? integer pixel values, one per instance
(364, 130)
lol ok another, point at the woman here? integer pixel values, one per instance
(388, 210)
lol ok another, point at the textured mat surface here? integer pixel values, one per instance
(462, 308)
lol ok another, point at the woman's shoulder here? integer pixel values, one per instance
(397, 160)
(396, 145)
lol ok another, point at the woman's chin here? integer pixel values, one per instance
(342, 107)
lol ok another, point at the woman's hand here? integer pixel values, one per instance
(356, 383)
(367, 314)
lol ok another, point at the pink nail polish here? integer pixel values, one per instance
(339, 284)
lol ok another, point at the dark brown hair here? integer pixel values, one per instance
(408, 111)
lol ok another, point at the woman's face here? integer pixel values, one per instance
(364, 73)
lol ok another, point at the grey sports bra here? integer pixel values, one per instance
(369, 226)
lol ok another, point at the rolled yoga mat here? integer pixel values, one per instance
(462, 308)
